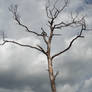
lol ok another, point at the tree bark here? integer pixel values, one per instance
(51, 75)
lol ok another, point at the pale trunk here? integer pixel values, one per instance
(51, 75)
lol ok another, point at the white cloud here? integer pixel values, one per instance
(66, 88)
(26, 89)
(87, 87)
(88, 83)
(14, 56)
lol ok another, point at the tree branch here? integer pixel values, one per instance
(14, 11)
(44, 35)
(54, 12)
(42, 50)
(23, 45)
(58, 11)
(74, 21)
(73, 40)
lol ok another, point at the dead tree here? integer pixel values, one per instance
(52, 14)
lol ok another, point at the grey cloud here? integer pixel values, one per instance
(75, 65)
(18, 72)
(22, 69)
(27, 89)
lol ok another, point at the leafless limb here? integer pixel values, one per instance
(74, 18)
(14, 10)
(42, 50)
(48, 11)
(73, 40)
(54, 12)
(58, 11)
(44, 35)
(39, 48)
(73, 22)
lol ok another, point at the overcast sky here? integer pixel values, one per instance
(25, 70)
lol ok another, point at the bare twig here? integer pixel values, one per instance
(58, 11)
(44, 35)
(73, 22)
(54, 12)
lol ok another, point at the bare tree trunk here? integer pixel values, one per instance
(51, 75)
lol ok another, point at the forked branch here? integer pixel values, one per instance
(52, 13)
(72, 41)
(58, 11)
(14, 10)
(74, 21)
(39, 48)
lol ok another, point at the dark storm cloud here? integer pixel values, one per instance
(37, 83)
(88, 1)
